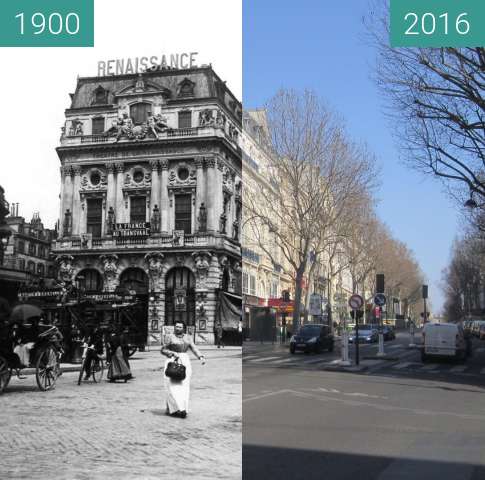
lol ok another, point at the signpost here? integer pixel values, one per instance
(355, 303)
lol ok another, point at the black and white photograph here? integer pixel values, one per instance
(120, 266)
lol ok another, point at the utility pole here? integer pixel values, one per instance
(425, 296)
(380, 301)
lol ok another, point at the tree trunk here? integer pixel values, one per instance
(298, 291)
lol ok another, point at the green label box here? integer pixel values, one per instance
(437, 23)
(47, 23)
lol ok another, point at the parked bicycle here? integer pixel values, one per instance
(92, 364)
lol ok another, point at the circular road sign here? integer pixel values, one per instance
(356, 302)
(380, 299)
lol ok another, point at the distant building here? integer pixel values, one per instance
(26, 257)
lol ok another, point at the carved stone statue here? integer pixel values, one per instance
(206, 118)
(220, 119)
(235, 230)
(202, 265)
(202, 218)
(76, 127)
(110, 221)
(110, 265)
(155, 264)
(222, 223)
(155, 220)
(66, 270)
(67, 224)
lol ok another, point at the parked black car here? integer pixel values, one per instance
(389, 332)
(366, 335)
(312, 338)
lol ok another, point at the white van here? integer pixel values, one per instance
(443, 340)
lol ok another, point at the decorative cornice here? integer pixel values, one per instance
(110, 167)
(199, 162)
(119, 166)
(77, 170)
(210, 162)
(164, 164)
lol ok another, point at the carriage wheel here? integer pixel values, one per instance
(97, 369)
(5, 374)
(47, 369)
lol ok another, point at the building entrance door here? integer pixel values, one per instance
(180, 296)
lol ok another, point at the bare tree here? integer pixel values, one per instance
(436, 101)
(314, 173)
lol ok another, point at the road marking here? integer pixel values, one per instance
(431, 366)
(315, 360)
(263, 359)
(284, 360)
(249, 357)
(264, 395)
(395, 346)
(400, 366)
(458, 369)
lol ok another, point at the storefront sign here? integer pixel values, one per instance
(40, 294)
(130, 230)
(125, 66)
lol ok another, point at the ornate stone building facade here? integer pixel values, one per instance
(151, 193)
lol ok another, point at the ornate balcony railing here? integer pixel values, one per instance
(189, 241)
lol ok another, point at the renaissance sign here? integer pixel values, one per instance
(125, 66)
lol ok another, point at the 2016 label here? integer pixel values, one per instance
(430, 23)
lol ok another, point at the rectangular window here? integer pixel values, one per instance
(139, 112)
(185, 119)
(22, 264)
(252, 285)
(245, 287)
(98, 126)
(94, 216)
(32, 249)
(183, 213)
(138, 209)
(21, 246)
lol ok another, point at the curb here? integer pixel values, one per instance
(385, 357)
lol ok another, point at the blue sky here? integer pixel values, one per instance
(319, 45)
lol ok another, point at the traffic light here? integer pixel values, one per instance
(380, 283)
(425, 291)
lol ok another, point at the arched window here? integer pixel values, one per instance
(40, 269)
(139, 112)
(31, 266)
(134, 280)
(90, 280)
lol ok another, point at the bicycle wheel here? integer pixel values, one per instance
(4, 374)
(97, 369)
(46, 369)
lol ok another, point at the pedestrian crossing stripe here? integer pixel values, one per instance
(249, 357)
(459, 369)
(285, 360)
(401, 366)
(431, 366)
(263, 359)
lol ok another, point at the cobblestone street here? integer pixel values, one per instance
(120, 431)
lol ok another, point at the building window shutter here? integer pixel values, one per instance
(138, 209)
(183, 213)
(98, 125)
(185, 119)
(94, 216)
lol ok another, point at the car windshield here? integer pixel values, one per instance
(309, 330)
(364, 331)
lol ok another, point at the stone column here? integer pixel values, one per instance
(120, 204)
(67, 191)
(155, 191)
(164, 201)
(212, 186)
(76, 202)
(111, 193)
(61, 202)
(200, 189)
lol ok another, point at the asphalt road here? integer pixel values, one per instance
(395, 419)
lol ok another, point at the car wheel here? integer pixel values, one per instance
(292, 349)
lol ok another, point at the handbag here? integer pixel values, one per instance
(175, 370)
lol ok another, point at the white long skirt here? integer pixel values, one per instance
(178, 392)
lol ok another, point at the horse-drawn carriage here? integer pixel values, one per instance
(44, 352)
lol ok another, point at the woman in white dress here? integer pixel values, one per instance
(176, 346)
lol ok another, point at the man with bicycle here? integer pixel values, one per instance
(93, 349)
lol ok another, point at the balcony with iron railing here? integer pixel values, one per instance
(143, 136)
(151, 242)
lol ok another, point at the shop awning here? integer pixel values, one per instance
(229, 310)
